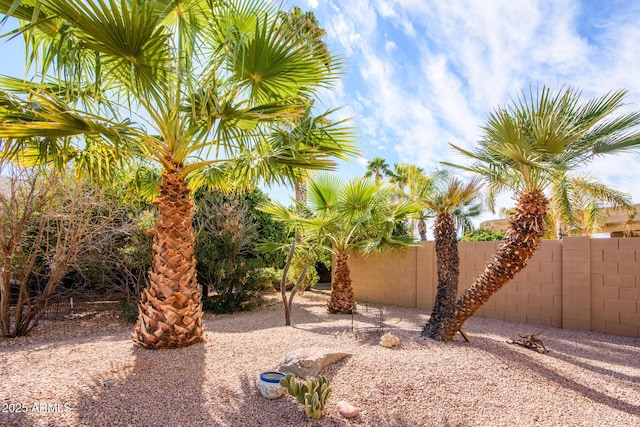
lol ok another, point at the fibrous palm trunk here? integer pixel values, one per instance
(301, 192)
(170, 313)
(342, 298)
(422, 229)
(526, 228)
(448, 267)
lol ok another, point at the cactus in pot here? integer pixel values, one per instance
(313, 393)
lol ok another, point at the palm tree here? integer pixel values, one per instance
(306, 128)
(308, 131)
(412, 184)
(445, 203)
(525, 147)
(346, 218)
(378, 168)
(576, 205)
(188, 85)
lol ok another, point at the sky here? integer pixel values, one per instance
(421, 74)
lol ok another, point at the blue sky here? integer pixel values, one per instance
(421, 74)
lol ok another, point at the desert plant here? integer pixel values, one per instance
(46, 223)
(313, 393)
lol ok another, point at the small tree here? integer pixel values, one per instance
(306, 258)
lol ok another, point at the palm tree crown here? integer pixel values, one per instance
(542, 134)
(378, 168)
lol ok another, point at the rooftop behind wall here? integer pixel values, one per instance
(575, 283)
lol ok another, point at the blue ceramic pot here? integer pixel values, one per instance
(269, 384)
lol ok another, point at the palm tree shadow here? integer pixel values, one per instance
(160, 387)
(274, 318)
(529, 365)
(569, 358)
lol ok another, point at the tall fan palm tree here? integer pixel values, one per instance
(526, 146)
(445, 203)
(346, 218)
(307, 128)
(412, 184)
(189, 85)
(378, 168)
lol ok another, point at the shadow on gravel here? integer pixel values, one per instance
(160, 388)
(528, 365)
(248, 408)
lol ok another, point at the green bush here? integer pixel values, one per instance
(228, 229)
(482, 235)
(268, 278)
(297, 267)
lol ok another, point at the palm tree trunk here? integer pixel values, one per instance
(342, 298)
(170, 313)
(526, 228)
(422, 229)
(448, 267)
(301, 192)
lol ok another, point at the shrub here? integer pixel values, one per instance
(482, 235)
(48, 223)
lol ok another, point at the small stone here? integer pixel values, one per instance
(389, 340)
(347, 410)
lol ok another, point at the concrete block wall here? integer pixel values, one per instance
(615, 286)
(574, 283)
(388, 278)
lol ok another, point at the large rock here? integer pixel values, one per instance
(307, 362)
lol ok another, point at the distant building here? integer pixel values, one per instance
(616, 225)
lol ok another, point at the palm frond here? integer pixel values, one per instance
(543, 133)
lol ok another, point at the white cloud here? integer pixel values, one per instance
(423, 74)
(313, 4)
(390, 46)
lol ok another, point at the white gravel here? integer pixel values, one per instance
(86, 371)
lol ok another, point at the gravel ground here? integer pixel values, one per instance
(86, 371)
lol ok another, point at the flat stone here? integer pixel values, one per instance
(347, 410)
(307, 362)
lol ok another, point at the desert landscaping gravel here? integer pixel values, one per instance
(85, 371)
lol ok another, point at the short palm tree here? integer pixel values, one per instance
(346, 218)
(189, 85)
(445, 203)
(526, 146)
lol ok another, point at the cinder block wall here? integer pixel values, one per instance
(574, 283)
